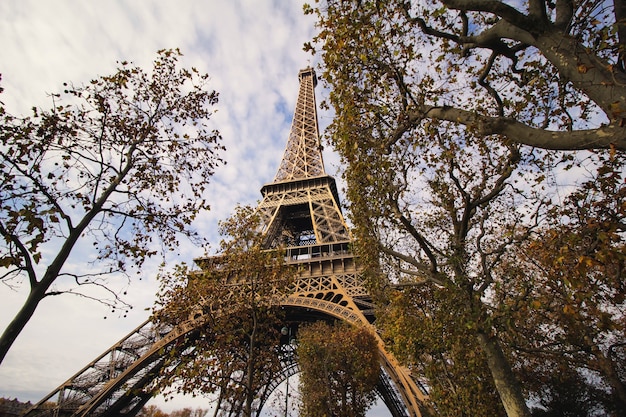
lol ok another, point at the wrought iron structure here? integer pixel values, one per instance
(301, 211)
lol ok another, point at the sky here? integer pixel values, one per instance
(252, 51)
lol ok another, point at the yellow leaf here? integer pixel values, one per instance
(612, 152)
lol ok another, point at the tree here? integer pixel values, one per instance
(339, 366)
(568, 395)
(563, 309)
(442, 215)
(458, 220)
(118, 165)
(154, 411)
(435, 103)
(428, 334)
(235, 351)
(188, 412)
(151, 411)
(548, 74)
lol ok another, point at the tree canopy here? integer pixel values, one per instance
(491, 250)
(547, 74)
(154, 411)
(118, 165)
(562, 311)
(340, 368)
(235, 351)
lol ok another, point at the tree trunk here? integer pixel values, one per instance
(250, 368)
(586, 72)
(607, 366)
(38, 289)
(506, 383)
(620, 18)
(218, 403)
(20, 320)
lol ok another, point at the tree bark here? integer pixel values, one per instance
(607, 366)
(508, 388)
(603, 137)
(620, 17)
(38, 289)
(250, 368)
(20, 320)
(603, 83)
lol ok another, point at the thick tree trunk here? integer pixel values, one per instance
(604, 137)
(506, 383)
(604, 84)
(608, 369)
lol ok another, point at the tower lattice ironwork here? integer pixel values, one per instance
(301, 212)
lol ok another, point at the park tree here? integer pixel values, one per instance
(234, 299)
(188, 412)
(340, 368)
(548, 74)
(443, 215)
(447, 218)
(118, 165)
(564, 310)
(451, 117)
(154, 411)
(423, 327)
(151, 411)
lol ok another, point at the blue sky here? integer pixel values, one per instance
(251, 49)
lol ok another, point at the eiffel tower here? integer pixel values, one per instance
(301, 212)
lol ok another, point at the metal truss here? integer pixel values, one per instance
(303, 156)
(288, 207)
(385, 388)
(121, 380)
(332, 284)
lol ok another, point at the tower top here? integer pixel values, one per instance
(303, 155)
(308, 72)
(301, 207)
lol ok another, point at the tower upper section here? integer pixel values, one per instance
(301, 206)
(303, 154)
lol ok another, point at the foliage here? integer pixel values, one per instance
(426, 329)
(442, 215)
(546, 74)
(234, 300)
(119, 165)
(568, 394)
(435, 102)
(340, 369)
(154, 411)
(565, 308)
